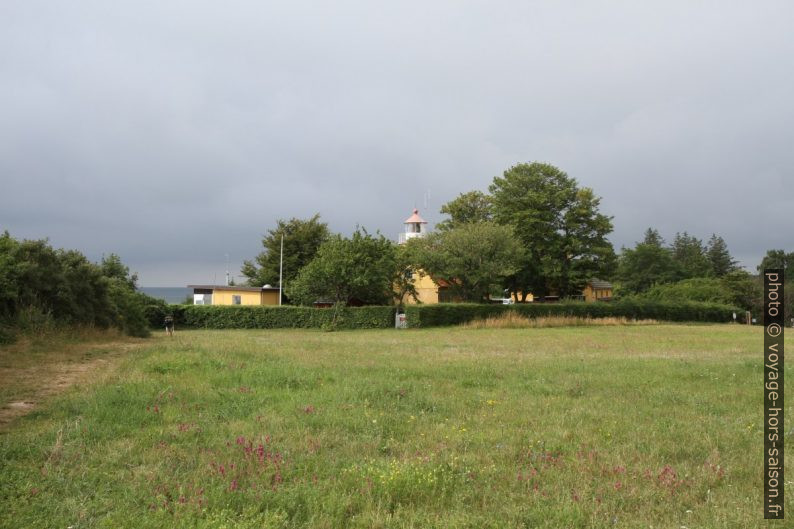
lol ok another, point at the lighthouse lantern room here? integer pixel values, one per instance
(414, 227)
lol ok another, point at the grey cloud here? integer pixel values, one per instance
(174, 133)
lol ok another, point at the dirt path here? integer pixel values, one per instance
(30, 378)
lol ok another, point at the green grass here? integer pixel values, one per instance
(648, 426)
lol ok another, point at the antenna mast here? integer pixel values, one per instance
(281, 270)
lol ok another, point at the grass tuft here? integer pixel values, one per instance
(513, 320)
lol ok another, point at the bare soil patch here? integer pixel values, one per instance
(30, 375)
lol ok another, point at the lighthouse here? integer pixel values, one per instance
(414, 227)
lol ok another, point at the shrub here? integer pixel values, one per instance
(633, 308)
(43, 289)
(706, 289)
(129, 309)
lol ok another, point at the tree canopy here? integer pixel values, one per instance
(302, 240)
(361, 267)
(651, 262)
(560, 227)
(474, 206)
(471, 258)
(690, 256)
(779, 259)
(719, 257)
(647, 264)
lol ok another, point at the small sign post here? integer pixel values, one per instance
(400, 322)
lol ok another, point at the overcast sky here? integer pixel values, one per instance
(174, 133)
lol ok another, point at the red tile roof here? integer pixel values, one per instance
(415, 218)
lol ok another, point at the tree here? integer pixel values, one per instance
(402, 276)
(779, 259)
(746, 291)
(474, 206)
(302, 239)
(653, 238)
(649, 263)
(471, 258)
(585, 251)
(690, 256)
(113, 268)
(361, 267)
(562, 232)
(720, 258)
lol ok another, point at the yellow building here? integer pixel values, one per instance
(234, 295)
(597, 290)
(428, 291)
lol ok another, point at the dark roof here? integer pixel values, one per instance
(600, 285)
(224, 287)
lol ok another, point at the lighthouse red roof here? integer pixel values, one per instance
(415, 218)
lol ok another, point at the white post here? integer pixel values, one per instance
(281, 270)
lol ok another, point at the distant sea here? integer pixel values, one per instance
(169, 294)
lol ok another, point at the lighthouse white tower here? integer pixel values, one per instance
(414, 227)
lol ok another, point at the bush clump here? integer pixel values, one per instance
(43, 289)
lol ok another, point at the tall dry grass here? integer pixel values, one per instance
(513, 320)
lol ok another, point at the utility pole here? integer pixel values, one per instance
(281, 271)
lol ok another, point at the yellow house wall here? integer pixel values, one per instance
(588, 293)
(426, 290)
(224, 297)
(593, 295)
(530, 296)
(269, 297)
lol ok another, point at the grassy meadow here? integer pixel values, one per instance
(590, 426)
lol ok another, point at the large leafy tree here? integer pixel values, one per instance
(302, 239)
(647, 264)
(474, 206)
(361, 267)
(779, 259)
(471, 258)
(560, 227)
(745, 289)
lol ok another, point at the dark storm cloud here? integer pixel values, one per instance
(174, 133)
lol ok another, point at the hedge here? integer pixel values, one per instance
(270, 317)
(437, 315)
(456, 313)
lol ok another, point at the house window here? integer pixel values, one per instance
(237, 300)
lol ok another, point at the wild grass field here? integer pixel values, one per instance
(591, 426)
